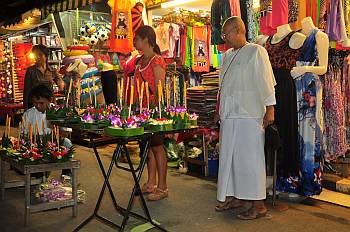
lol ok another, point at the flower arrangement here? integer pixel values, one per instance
(42, 151)
(32, 148)
(194, 116)
(57, 111)
(179, 116)
(127, 126)
(96, 118)
(193, 119)
(160, 121)
(70, 115)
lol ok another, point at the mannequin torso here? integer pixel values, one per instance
(295, 42)
(322, 44)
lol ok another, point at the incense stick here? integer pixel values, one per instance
(43, 126)
(89, 91)
(147, 95)
(69, 91)
(7, 121)
(131, 99)
(19, 131)
(159, 99)
(127, 89)
(9, 130)
(141, 97)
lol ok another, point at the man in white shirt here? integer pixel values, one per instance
(247, 96)
(41, 97)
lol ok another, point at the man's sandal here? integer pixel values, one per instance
(227, 205)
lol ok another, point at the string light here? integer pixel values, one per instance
(31, 56)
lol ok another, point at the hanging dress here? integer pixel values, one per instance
(334, 136)
(309, 106)
(266, 17)
(283, 59)
(279, 13)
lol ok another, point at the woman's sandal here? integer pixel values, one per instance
(158, 194)
(227, 205)
(146, 188)
(251, 214)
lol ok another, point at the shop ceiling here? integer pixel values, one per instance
(195, 5)
(10, 9)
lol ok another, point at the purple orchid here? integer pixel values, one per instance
(194, 116)
(180, 109)
(100, 117)
(51, 145)
(117, 122)
(88, 118)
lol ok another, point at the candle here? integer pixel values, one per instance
(131, 99)
(19, 131)
(138, 89)
(118, 90)
(147, 95)
(36, 130)
(121, 92)
(141, 98)
(159, 99)
(89, 91)
(167, 95)
(162, 94)
(127, 89)
(52, 132)
(43, 126)
(79, 93)
(23, 121)
(30, 133)
(185, 95)
(9, 130)
(175, 90)
(7, 122)
(69, 91)
(58, 138)
(94, 89)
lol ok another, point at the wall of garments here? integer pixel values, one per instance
(313, 113)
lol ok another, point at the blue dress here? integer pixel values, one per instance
(309, 110)
(309, 106)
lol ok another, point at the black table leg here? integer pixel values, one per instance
(137, 188)
(136, 173)
(115, 154)
(115, 204)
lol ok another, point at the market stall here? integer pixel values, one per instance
(104, 101)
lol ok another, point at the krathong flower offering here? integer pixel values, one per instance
(120, 126)
(193, 119)
(161, 124)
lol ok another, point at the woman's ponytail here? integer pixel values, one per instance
(156, 49)
(149, 33)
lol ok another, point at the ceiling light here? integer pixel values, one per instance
(175, 3)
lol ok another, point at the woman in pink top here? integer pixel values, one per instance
(151, 68)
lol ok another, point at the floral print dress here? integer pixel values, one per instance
(334, 136)
(309, 107)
